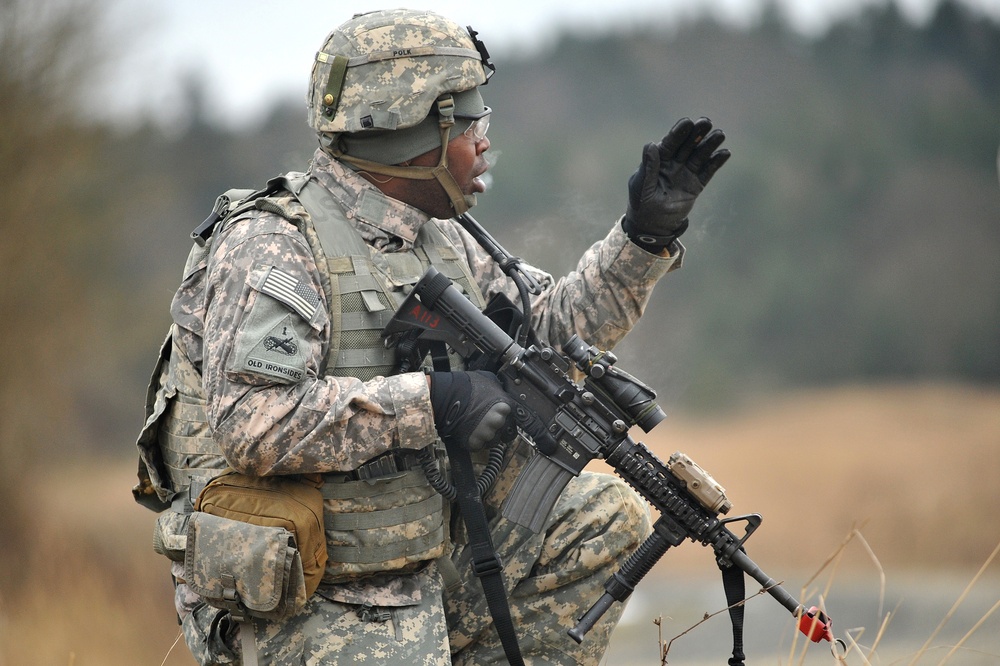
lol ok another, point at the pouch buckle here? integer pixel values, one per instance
(369, 613)
(232, 599)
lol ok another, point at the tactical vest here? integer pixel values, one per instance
(384, 516)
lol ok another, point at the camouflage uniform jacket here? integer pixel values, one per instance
(271, 425)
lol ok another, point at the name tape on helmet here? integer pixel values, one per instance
(408, 52)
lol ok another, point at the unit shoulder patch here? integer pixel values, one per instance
(272, 340)
(278, 354)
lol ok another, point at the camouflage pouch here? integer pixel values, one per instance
(170, 535)
(292, 503)
(244, 568)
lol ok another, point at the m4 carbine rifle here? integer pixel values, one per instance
(572, 423)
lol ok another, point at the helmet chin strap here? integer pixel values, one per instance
(460, 202)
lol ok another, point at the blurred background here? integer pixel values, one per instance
(830, 350)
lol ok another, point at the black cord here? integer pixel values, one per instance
(488, 477)
(492, 470)
(524, 281)
(428, 461)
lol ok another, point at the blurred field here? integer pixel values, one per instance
(916, 466)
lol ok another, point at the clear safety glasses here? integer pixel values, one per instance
(479, 127)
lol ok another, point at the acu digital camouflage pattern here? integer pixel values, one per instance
(552, 578)
(266, 424)
(401, 62)
(236, 565)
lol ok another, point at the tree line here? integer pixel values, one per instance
(853, 236)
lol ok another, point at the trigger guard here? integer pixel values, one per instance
(535, 431)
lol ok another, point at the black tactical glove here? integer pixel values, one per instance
(673, 173)
(472, 408)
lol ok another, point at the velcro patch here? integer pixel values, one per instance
(284, 288)
(278, 353)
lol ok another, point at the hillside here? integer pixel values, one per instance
(852, 237)
(852, 241)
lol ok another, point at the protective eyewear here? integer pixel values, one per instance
(480, 125)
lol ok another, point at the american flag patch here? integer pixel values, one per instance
(300, 297)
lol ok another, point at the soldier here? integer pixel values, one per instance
(275, 368)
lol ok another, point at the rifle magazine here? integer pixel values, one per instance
(535, 493)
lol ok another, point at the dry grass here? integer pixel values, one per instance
(918, 464)
(848, 646)
(92, 592)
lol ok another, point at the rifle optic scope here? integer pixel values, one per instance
(635, 400)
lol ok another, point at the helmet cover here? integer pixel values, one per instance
(384, 70)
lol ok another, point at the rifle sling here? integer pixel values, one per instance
(486, 564)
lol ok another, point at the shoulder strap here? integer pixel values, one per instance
(235, 200)
(358, 301)
(332, 227)
(486, 564)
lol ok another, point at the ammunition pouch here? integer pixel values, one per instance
(289, 511)
(247, 569)
(170, 535)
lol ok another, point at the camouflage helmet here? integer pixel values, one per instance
(384, 70)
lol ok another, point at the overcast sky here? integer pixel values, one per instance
(254, 51)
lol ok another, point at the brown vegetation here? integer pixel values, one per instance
(917, 463)
(914, 466)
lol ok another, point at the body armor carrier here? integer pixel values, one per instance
(365, 510)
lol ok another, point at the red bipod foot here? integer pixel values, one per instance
(815, 624)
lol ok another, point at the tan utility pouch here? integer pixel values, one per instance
(294, 504)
